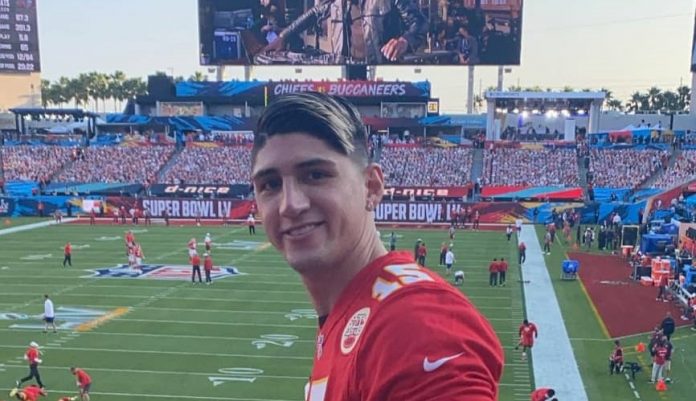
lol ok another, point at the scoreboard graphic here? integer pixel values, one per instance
(19, 36)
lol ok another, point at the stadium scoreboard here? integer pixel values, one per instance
(19, 36)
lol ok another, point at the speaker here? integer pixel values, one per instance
(161, 86)
(356, 72)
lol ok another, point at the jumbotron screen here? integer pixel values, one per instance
(360, 32)
(19, 37)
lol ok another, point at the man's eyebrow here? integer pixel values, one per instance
(302, 165)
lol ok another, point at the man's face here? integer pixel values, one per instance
(312, 200)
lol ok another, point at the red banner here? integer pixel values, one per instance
(181, 208)
(440, 212)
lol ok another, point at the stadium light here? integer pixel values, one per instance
(516, 110)
(525, 114)
(551, 114)
(535, 111)
(581, 112)
(565, 113)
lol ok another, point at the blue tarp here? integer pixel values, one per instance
(651, 243)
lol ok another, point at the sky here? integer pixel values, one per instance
(622, 45)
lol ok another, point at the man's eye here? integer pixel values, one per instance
(269, 185)
(317, 175)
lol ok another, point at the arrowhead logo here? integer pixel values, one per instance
(432, 366)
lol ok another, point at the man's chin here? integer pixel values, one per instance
(304, 262)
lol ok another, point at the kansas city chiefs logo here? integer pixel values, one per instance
(354, 328)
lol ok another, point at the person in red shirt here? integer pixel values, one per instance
(92, 217)
(543, 394)
(317, 192)
(662, 289)
(522, 253)
(616, 359)
(32, 356)
(67, 252)
(29, 393)
(196, 266)
(527, 332)
(659, 352)
(502, 272)
(422, 253)
(208, 267)
(84, 382)
(493, 269)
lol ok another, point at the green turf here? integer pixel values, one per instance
(592, 347)
(178, 340)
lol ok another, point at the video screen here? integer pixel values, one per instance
(360, 32)
(19, 37)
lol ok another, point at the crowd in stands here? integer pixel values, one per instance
(683, 169)
(511, 166)
(624, 168)
(210, 165)
(246, 138)
(33, 163)
(426, 166)
(133, 164)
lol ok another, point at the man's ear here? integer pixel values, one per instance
(374, 182)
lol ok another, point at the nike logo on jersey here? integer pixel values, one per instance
(432, 366)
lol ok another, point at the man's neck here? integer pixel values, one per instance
(326, 284)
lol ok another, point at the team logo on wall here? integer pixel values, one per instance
(159, 272)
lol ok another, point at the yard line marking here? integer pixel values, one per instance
(216, 323)
(206, 354)
(164, 372)
(139, 334)
(166, 396)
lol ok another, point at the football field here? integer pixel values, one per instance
(248, 336)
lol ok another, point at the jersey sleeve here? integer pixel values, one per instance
(429, 344)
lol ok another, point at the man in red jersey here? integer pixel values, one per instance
(493, 269)
(29, 393)
(207, 267)
(32, 356)
(527, 332)
(317, 192)
(67, 254)
(84, 382)
(196, 268)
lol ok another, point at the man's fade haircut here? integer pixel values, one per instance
(331, 119)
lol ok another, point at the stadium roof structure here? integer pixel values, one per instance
(39, 114)
(568, 105)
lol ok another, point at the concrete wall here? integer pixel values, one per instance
(20, 90)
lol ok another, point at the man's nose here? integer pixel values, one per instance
(294, 201)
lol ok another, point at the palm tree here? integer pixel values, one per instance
(116, 81)
(478, 103)
(46, 94)
(634, 104)
(614, 105)
(654, 98)
(198, 77)
(684, 97)
(670, 102)
(567, 89)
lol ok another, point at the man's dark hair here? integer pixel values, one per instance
(331, 119)
(551, 393)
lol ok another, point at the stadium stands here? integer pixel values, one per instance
(683, 169)
(133, 164)
(509, 166)
(33, 163)
(409, 166)
(211, 165)
(624, 168)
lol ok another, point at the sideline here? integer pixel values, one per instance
(41, 224)
(554, 363)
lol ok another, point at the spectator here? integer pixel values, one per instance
(508, 166)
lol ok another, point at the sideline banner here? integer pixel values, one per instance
(190, 208)
(7, 206)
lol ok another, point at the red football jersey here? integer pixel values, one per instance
(82, 377)
(527, 333)
(400, 332)
(32, 393)
(540, 394)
